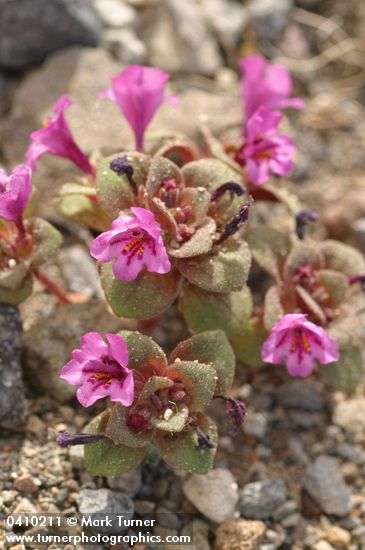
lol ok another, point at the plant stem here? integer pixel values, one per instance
(52, 287)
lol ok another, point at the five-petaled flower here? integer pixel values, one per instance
(299, 343)
(266, 84)
(131, 244)
(139, 92)
(99, 369)
(56, 139)
(264, 150)
(15, 191)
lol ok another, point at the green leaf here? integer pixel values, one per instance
(180, 450)
(225, 270)
(281, 194)
(199, 380)
(115, 192)
(247, 346)
(210, 347)
(273, 310)
(121, 434)
(342, 257)
(198, 200)
(200, 243)
(302, 254)
(145, 297)
(269, 249)
(179, 147)
(80, 208)
(346, 373)
(174, 423)
(154, 384)
(47, 241)
(335, 283)
(211, 311)
(145, 355)
(16, 284)
(106, 459)
(209, 173)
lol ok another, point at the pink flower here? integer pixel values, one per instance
(99, 369)
(299, 343)
(15, 191)
(266, 84)
(132, 243)
(139, 92)
(265, 151)
(56, 139)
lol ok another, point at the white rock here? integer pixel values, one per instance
(214, 495)
(227, 19)
(116, 14)
(124, 45)
(350, 414)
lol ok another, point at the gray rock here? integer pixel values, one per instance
(49, 343)
(125, 46)
(13, 409)
(286, 509)
(350, 453)
(129, 483)
(102, 502)
(199, 531)
(227, 19)
(258, 500)
(76, 455)
(116, 14)
(299, 394)
(270, 17)
(45, 28)
(255, 425)
(324, 482)
(178, 39)
(79, 271)
(350, 414)
(214, 495)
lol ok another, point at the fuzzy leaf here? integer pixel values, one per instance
(211, 311)
(80, 208)
(114, 191)
(145, 355)
(346, 373)
(145, 297)
(224, 271)
(247, 346)
(302, 254)
(273, 310)
(47, 241)
(269, 249)
(179, 149)
(15, 284)
(335, 283)
(200, 243)
(311, 304)
(198, 199)
(180, 450)
(210, 347)
(104, 458)
(342, 257)
(121, 434)
(154, 384)
(199, 380)
(175, 423)
(281, 194)
(209, 173)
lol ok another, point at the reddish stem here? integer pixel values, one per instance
(52, 287)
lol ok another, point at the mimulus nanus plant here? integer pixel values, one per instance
(264, 150)
(299, 343)
(99, 369)
(56, 139)
(132, 244)
(266, 84)
(139, 92)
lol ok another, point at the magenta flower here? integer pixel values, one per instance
(132, 243)
(299, 343)
(56, 139)
(139, 92)
(99, 369)
(264, 150)
(15, 191)
(266, 84)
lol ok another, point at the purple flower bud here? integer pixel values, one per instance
(236, 222)
(302, 219)
(204, 443)
(122, 167)
(66, 439)
(232, 187)
(236, 410)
